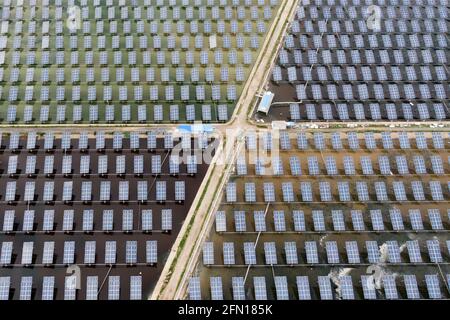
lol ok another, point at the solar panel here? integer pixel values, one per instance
(166, 217)
(127, 220)
(12, 165)
(390, 287)
(238, 288)
(28, 221)
(353, 140)
(325, 288)
(288, 192)
(313, 166)
(380, 191)
(418, 191)
(311, 252)
(220, 221)
(435, 219)
(131, 252)
(29, 191)
(239, 221)
(412, 290)
(26, 286)
(250, 192)
(438, 141)
(332, 252)
(436, 191)
(270, 253)
(415, 218)
(69, 252)
(48, 287)
(151, 252)
(259, 284)
(304, 291)
(136, 288)
(366, 165)
(346, 286)
(108, 218)
(68, 220)
(48, 253)
(279, 220)
(6, 253)
(110, 252)
(368, 286)
(414, 251)
(228, 253)
(373, 252)
(208, 253)
(113, 287)
(194, 288)
(89, 252)
(281, 288)
(433, 286)
(319, 220)
(393, 252)
(434, 251)
(216, 288)
(299, 220)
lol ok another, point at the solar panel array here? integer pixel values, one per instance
(341, 204)
(131, 62)
(337, 64)
(74, 207)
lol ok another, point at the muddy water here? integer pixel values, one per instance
(149, 273)
(341, 237)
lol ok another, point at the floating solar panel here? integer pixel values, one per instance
(259, 284)
(390, 287)
(147, 220)
(332, 252)
(288, 192)
(437, 165)
(239, 221)
(319, 220)
(435, 219)
(166, 219)
(216, 288)
(26, 286)
(418, 191)
(412, 290)
(414, 251)
(194, 288)
(48, 287)
(238, 288)
(28, 221)
(281, 288)
(131, 252)
(113, 287)
(48, 220)
(415, 218)
(368, 287)
(433, 286)
(228, 253)
(325, 288)
(311, 252)
(6, 253)
(270, 253)
(110, 252)
(436, 191)
(438, 141)
(69, 252)
(208, 253)
(8, 220)
(127, 220)
(151, 252)
(338, 220)
(136, 288)
(346, 286)
(303, 288)
(434, 251)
